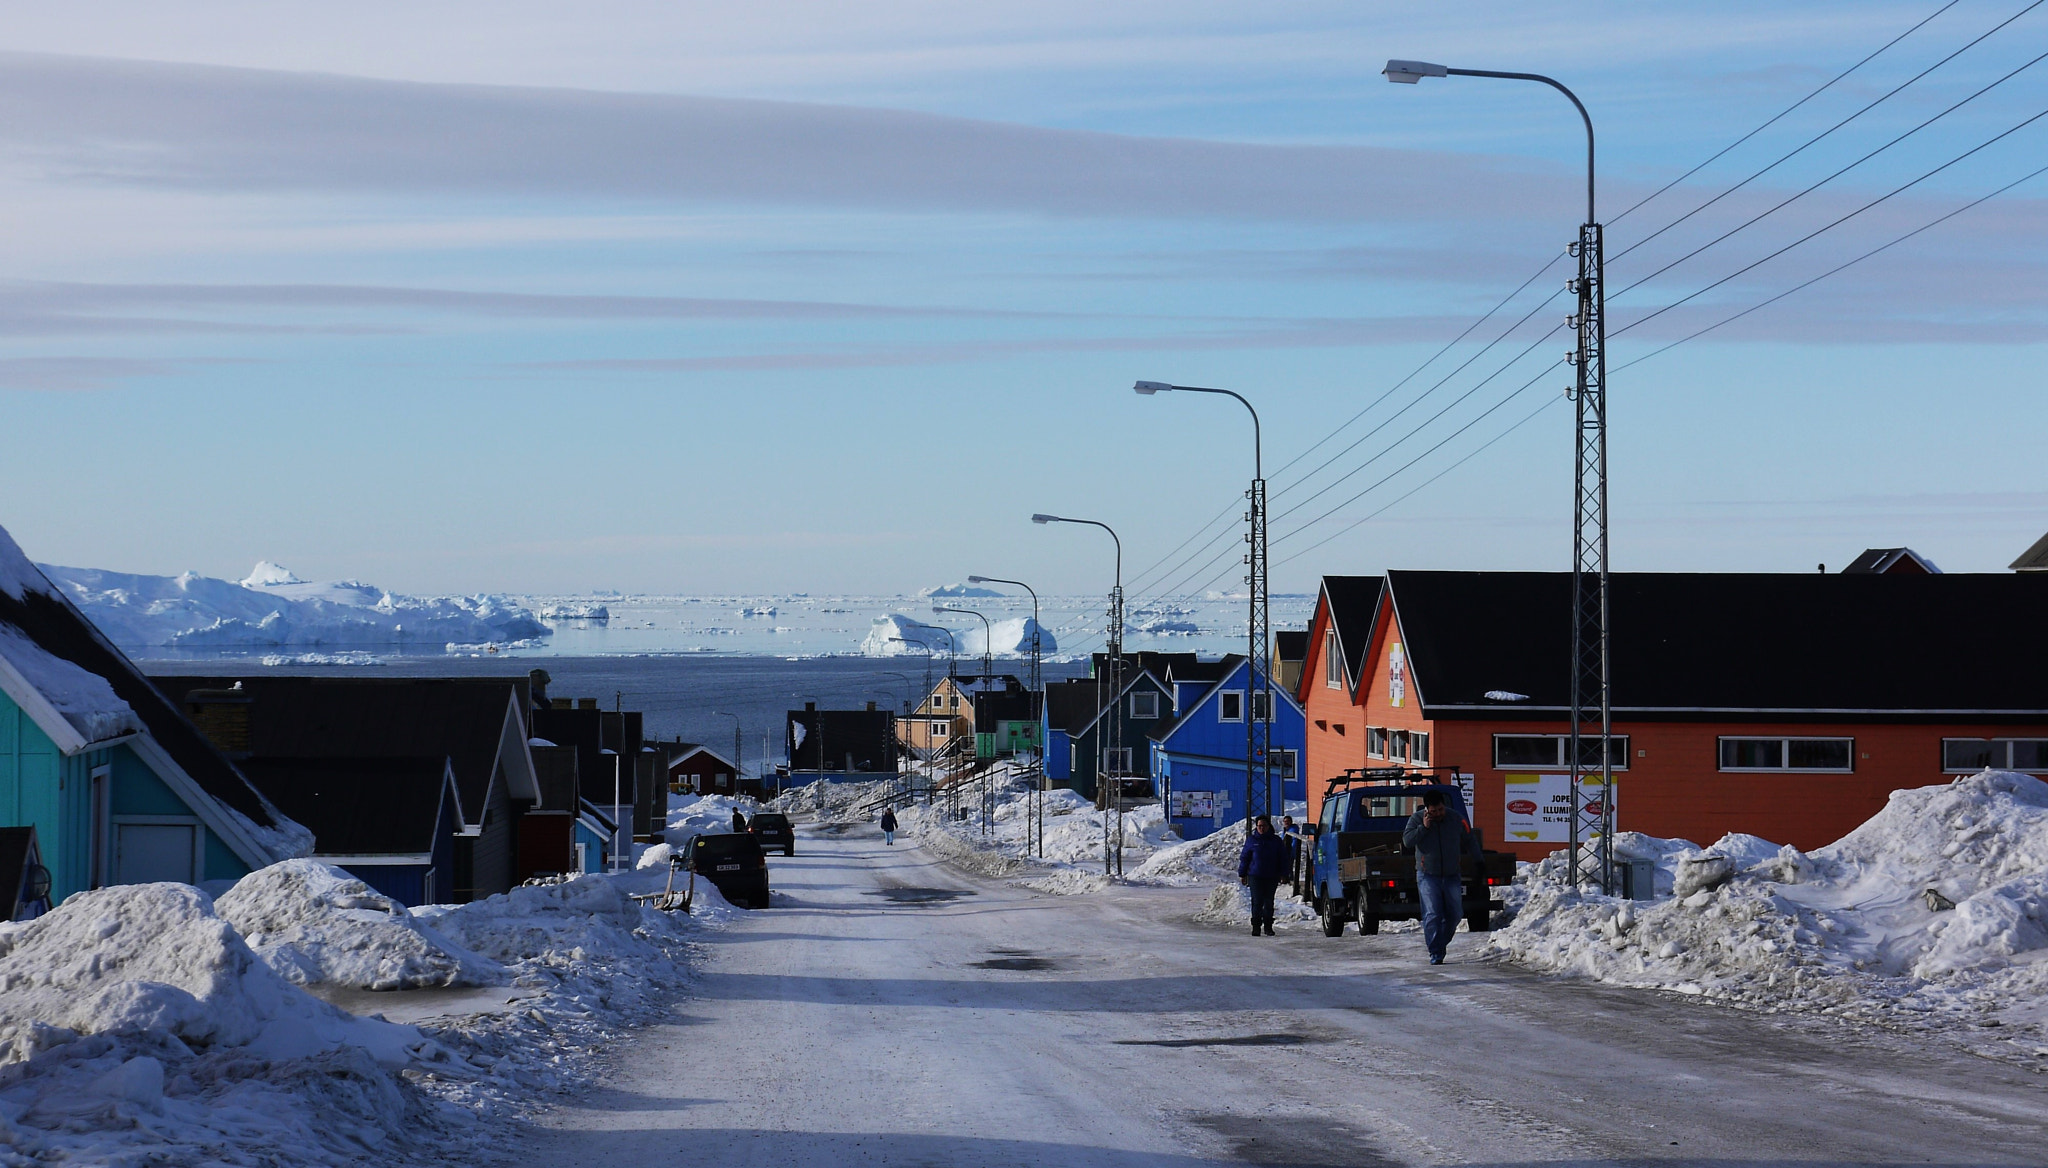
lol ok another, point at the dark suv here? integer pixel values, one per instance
(735, 863)
(774, 831)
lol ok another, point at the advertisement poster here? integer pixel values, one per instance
(1397, 675)
(1195, 804)
(1539, 808)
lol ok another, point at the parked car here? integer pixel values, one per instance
(774, 831)
(735, 864)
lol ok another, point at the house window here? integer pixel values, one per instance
(1547, 751)
(158, 848)
(2005, 754)
(1376, 741)
(1333, 666)
(1117, 760)
(1283, 763)
(1262, 706)
(1418, 748)
(938, 729)
(1144, 705)
(956, 701)
(720, 779)
(1230, 706)
(1788, 754)
(1397, 745)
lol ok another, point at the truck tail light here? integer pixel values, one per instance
(1393, 884)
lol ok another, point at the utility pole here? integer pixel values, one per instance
(1035, 687)
(1110, 754)
(1591, 662)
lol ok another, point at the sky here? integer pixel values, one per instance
(707, 298)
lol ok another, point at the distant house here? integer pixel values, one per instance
(118, 786)
(945, 720)
(615, 761)
(839, 745)
(390, 822)
(1891, 562)
(478, 725)
(1198, 758)
(696, 769)
(1290, 648)
(1077, 731)
(1005, 720)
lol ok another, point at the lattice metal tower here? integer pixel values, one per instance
(1258, 756)
(1591, 673)
(1114, 765)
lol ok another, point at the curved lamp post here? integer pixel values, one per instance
(1036, 688)
(1590, 673)
(1115, 736)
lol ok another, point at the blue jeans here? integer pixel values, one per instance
(889, 835)
(1443, 902)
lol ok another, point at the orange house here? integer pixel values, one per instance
(1785, 706)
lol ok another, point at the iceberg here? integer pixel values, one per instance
(895, 635)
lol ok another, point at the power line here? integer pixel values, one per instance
(1888, 95)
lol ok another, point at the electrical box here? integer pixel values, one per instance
(1635, 879)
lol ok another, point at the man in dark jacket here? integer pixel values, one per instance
(1441, 841)
(739, 820)
(1262, 865)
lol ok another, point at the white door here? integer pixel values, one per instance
(148, 852)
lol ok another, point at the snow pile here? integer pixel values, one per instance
(1933, 913)
(316, 924)
(894, 635)
(1231, 904)
(690, 816)
(272, 608)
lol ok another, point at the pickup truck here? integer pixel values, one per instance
(1358, 868)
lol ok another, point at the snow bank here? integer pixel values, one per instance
(894, 635)
(274, 609)
(316, 924)
(1933, 913)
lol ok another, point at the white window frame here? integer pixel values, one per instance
(1419, 738)
(1149, 696)
(939, 729)
(1223, 699)
(1333, 662)
(1621, 754)
(1376, 739)
(101, 853)
(1397, 745)
(1112, 756)
(1995, 764)
(197, 863)
(1785, 742)
(1261, 697)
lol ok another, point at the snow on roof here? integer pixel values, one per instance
(83, 699)
(17, 574)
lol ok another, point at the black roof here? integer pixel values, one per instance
(1071, 704)
(1291, 645)
(1898, 559)
(2034, 559)
(54, 625)
(868, 735)
(1354, 601)
(591, 733)
(1001, 706)
(359, 806)
(459, 718)
(1741, 642)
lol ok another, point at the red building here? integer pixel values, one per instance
(1786, 706)
(694, 769)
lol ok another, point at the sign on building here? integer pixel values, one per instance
(1198, 804)
(1539, 808)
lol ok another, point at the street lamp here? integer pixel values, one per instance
(1114, 736)
(988, 641)
(1258, 719)
(1590, 672)
(1037, 691)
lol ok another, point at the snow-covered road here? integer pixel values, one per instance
(890, 1010)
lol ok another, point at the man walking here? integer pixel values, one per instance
(888, 826)
(1262, 865)
(1441, 842)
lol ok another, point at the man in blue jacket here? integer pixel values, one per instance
(1262, 865)
(1441, 842)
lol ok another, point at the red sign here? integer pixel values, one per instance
(1522, 806)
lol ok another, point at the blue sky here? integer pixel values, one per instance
(699, 298)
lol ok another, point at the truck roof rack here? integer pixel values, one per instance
(1396, 776)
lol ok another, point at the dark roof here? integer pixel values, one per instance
(1203, 671)
(1001, 706)
(868, 735)
(1354, 601)
(1291, 645)
(1071, 704)
(359, 806)
(591, 733)
(61, 630)
(2034, 559)
(17, 852)
(1747, 642)
(459, 718)
(1875, 561)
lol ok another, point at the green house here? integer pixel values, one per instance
(119, 786)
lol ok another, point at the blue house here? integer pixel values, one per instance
(1077, 726)
(119, 787)
(1198, 761)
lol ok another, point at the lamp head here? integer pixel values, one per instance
(977, 579)
(1042, 518)
(1148, 388)
(1410, 72)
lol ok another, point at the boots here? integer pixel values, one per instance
(1269, 928)
(1255, 928)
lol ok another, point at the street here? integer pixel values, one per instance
(890, 1010)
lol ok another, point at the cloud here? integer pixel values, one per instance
(220, 129)
(61, 374)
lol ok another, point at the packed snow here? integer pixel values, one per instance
(141, 1023)
(1933, 914)
(273, 609)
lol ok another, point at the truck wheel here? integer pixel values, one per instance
(1333, 920)
(1368, 924)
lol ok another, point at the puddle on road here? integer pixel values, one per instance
(919, 896)
(1016, 963)
(1293, 1141)
(1281, 1039)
